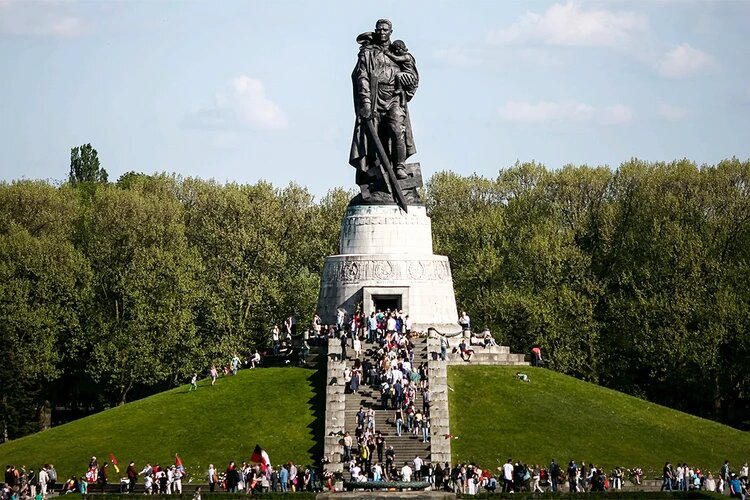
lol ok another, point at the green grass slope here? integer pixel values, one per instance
(495, 416)
(273, 407)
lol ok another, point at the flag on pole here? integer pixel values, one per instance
(114, 462)
(178, 464)
(260, 456)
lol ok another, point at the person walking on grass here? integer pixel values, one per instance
(193, 382)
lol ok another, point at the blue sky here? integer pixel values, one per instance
(247, 90)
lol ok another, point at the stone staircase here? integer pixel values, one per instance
(341, 408)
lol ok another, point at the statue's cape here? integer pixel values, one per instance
(360, 142)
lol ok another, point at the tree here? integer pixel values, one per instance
(141, 323)
(43, 288)
(85, 167)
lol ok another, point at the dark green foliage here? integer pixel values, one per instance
(129, 289)
(85, 167)
(637, 279)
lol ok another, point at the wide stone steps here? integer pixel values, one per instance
(406, 446)
(342, 408)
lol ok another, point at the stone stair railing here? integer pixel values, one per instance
(335, 423)
(440, 434)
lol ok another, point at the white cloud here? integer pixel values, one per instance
(564, 112)
(41, 18)
(672, 113)
(683, 61)
(241, 103)
(572, 25)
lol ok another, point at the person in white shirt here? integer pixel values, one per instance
(177, 484)
(43, 479)
(148, 484)
(508, 476)
(391, 325)
(406, 473)
(170, 480)
(377, 472)
(212, 477)
(255, 360)
(357, 347)
(464, 321)
(355, 470)
(417, 467)
(710, 483)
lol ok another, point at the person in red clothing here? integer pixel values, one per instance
(132, 477)
(536, 356)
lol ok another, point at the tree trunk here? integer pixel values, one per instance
(124, 389)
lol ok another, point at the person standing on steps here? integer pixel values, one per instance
(360, 416)
(443, 348)
(418, 462)
(372, 325)
(380, 444)
(347, 443)
(343, 346)
(426, 400)
(390, 458)
(399, 418)
(357, 345)
(371, 420)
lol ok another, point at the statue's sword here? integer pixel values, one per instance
(389, 175)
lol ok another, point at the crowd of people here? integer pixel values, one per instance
(261, 478)
(471, 479)
(683, 478)
(21, 483)
(389, 370)
(26, 484)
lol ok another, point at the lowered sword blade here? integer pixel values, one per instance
(390, 178)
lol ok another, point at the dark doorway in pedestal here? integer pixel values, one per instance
(385, 302)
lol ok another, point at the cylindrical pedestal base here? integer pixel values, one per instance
(421, 285)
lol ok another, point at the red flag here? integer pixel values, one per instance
(177, 460)
(260, 456)
(114, 462)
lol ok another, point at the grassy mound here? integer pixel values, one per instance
(495, 416)
(273, 407)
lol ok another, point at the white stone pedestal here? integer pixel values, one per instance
(385, 257)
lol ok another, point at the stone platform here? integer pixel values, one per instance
(385, 260)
